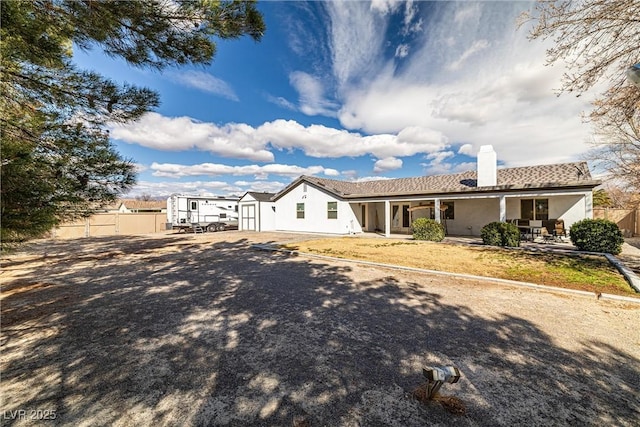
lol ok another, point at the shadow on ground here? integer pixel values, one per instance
(174, 330)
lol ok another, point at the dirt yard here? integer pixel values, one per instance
(171, 329)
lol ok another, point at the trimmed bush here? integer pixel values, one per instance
(500, 234)
(597, 235)
(427, 229)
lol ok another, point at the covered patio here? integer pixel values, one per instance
(537, 214)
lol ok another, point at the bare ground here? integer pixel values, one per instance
(203, 330)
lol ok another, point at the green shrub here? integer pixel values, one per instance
(597, 235)
(427, 229)
(500, 234)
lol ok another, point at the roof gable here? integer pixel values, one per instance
(257, 196)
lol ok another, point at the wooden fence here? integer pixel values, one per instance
(628, 220)
(112, 224)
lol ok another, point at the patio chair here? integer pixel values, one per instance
(559, 232)
(197, 228)
(546, 236)
(535, 226)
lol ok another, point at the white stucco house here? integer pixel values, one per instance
(463, 202)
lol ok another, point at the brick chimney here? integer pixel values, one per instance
(487, 166)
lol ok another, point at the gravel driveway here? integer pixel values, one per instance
(174, 329)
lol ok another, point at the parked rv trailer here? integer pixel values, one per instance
(185, 212)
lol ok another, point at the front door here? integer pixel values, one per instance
(193, 216)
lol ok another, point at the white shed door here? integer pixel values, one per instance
(249, 217)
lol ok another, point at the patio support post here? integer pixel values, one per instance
(436, 203)
(387, 218)
(503, 209)
(588, 205)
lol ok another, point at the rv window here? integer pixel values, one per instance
(194, 206)
(223, 215)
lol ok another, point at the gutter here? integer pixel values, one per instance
(444, 192)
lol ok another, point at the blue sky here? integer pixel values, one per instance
(351, 90)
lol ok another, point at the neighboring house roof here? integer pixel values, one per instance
(125, 205)
(144, 204)
(520, 178)
(260, 197)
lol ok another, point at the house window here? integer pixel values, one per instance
(537, 209)
(194, 206)
(300, 210)
(332, 210)
(449, 212)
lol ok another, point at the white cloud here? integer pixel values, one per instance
(261, 186)
(204, 82)
(242, 141)
(496, 90)
(387, 164)
(384, 6)
(165, 189)
(410, 24)
(440, 156)
(466, 149)
(173, 170)
(476, 47)
(357, 35)
(281, 102)
(322, 141)
(469, 12)
(312, 95)
(402, 51)
(183, 133)
(370, 178)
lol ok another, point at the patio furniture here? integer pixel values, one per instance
(546, 236)
(559, 232)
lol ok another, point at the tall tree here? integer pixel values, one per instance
(56, 159)
(599, 40)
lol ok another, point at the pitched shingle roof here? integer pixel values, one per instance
(261, 197)
(529, 177)
(144, 204)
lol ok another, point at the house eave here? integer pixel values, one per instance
(480, 190)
